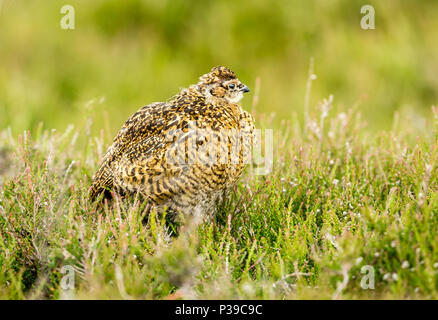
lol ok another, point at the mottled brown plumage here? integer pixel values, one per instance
(183, 154)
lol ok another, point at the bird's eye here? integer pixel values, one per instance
(231, 86)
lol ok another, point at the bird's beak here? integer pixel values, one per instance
(245, 89)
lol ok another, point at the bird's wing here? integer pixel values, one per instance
(135, 137)
(154, 163)
(145, 122)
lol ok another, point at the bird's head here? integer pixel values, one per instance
(222, 85)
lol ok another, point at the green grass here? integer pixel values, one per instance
(338, 198)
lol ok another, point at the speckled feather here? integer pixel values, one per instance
(138, 159)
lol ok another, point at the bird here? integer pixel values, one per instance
(183, 155)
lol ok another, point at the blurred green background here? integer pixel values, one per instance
(125, 54)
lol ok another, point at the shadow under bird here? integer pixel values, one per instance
(182, 155)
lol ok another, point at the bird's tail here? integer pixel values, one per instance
(102, 183)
